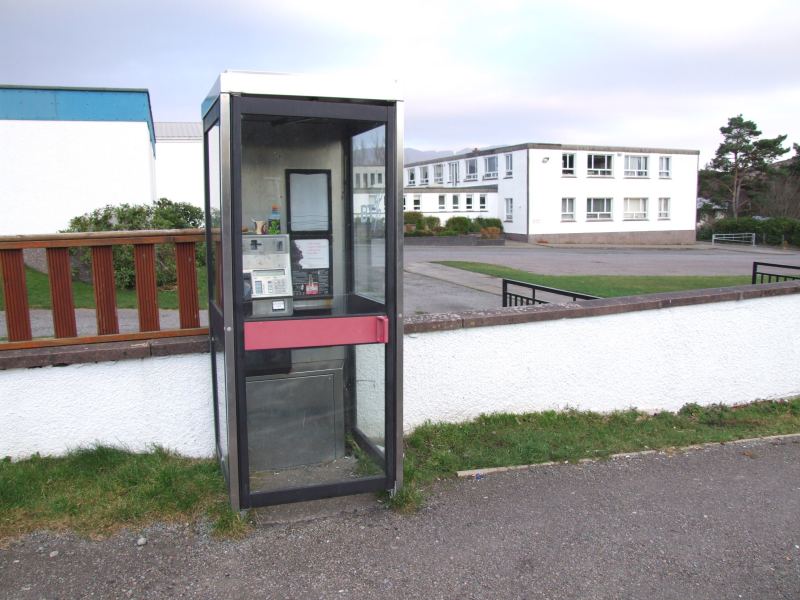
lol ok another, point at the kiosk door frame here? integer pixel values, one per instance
(390, 114)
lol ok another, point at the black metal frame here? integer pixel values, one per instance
(244, 106)
(758, 275)
(512, 299)
(216, 335)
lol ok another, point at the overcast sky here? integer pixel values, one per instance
(473, 74)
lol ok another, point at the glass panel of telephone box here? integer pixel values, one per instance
(313, 229)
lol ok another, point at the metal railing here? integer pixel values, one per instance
(734, 238)
(760, 275)
(528, 297)
(59, 267)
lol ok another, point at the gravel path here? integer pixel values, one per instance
(718, 523)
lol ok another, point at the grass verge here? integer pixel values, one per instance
(96, 491)
(99, 490)
(605, 286)
(500, 440)
(83, 293)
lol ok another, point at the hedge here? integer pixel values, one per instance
(772, 231)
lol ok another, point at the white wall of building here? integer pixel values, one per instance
(179, 171)
(508, 186)
(429, 204)
(537, 184)
(52, 171)
(514, 187)
(652, 360)
(548, 186)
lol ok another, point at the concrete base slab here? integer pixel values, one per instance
(300, 512)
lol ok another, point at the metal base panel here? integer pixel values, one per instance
(295, 419)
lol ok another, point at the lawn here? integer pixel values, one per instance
(99, 490)
(83, 293)
(606, 286)
(498, 440)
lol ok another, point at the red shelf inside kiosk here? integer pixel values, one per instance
(308, 333)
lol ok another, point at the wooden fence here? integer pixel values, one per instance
(57, 248)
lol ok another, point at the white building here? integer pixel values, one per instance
(179, 162)
(66, 151)
(564, 193)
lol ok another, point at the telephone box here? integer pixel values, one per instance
(304, 253)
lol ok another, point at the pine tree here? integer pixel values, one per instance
(742, 157)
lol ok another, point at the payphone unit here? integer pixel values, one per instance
(303, 176)
(267, 274)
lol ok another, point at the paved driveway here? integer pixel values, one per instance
(718, 523)
(700, 259)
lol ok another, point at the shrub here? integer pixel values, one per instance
(458, 224)
(490, 233)
(161, 214)
(431, 223)
(768, 231)
(415, 218)
(489, 222)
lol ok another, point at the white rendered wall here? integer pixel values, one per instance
(130, 403)
(52, 171)
(429, 205)
(727, 352)
(179, 171)
(513, 186)
(548, 187)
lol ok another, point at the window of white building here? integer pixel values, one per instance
(471, 167)
(358, 179)
(509, 165)
(423, 175)
(416, 202)
(412, 177)
(453, 172)
(372, 179)
(380, 178)
(663, 208)
(509, 209)
(469, 202)
(567, 164)
(455, 201)
(438, 173)
(665, 166)
(598, 209)
(568, 209)
(404, 203)
(599, 165)
(441, 201)
(635, 165)
(490, 167)
(482, 202)
(635, 209)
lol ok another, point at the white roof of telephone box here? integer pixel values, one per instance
(353, 86)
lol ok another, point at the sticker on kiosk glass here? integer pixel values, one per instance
(311, 267)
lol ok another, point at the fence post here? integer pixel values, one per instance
(105, 291)
(15, 289)
(144, 260)
(60, 271)
(188, 303)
